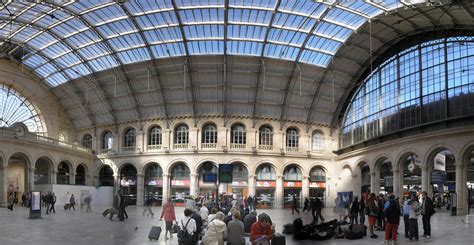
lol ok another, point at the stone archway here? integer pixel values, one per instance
(20, 176)
(44, 171)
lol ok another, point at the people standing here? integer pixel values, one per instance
(427, 210)
(354, 213)
(235, 230)
(250, 203)
(306, 205)
(168, 214)
(294, 205)
(188, 224)
(190, 203)
(87, 202)
(373, 209)
(72, 202)
(415, 210)
(47, 200)
(380, 219)
(11, 201)
(216, 231)
(116, 209)
(316, 206)
(392, 220)
(406, 217)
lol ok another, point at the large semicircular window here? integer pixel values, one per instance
(16, 108)
(429, 82)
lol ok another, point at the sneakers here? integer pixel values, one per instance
(428, 237)
(373, 236)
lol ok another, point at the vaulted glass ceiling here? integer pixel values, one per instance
(63, 40)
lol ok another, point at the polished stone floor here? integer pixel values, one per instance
(79, 227)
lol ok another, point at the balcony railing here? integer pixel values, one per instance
(180, 146)
(129, 149)
(154, 147)
(265, 147)
(32, 137)
(292, 149)
(237, 146)
(208, 145)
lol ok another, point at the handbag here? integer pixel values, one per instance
(175, 228)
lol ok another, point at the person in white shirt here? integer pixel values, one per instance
(204, 212)
(188, 222)
(190, 203)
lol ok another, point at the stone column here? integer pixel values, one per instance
(396, 183)
(95, 181)
(425, 179)
(251, 138)
(4, 185)
(194, 185)
(166, 188)
(460, 189)
(72, 178)
(277, 141)
(140, 189)
(193, 137)
(116, 182)
(357, 180)
(374, 182)
(54, 177)
(251, 185)
(279, 192)
(116, 144)
(221, 137)
(31, 179)
(305, 188)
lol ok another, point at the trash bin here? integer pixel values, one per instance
(453, 204)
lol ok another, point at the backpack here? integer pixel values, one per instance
(183, 236)
(367, 210)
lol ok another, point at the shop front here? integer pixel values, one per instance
(317, 183)
(265, 193)
(292, 189)
(153, 184)
(128, 184)
(208, 181)
(238, 188)
(180, 191)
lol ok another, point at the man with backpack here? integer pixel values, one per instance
(187, 236)
(427, 210)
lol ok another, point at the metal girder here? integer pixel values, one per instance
(226, 17)
(74, 85)
(155, 65)
(83, 60)
(288, 83)
(413, 24)
(430, 19)
(389, 26)
(107, 45)
(180, 22)
(254, 112)
(467, 11)
(450, 16)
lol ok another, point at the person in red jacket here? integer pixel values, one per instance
(261, 231)
(168, 213)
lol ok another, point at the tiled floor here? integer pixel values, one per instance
(79, 227)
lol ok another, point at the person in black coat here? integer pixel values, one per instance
(198, 220)
(392, 219)
(249, 220)
(355, 211)
(316, 206)
(427, 210)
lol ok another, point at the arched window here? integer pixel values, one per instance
(317, 174)
(293, 173)
(155, 136)
(129, 138)
(209, 134)
(106, 176)
(266, 136)
(266, 172)
(238, 134)
(317, 144)
(80, 175)
(61, 137)
(87, 141)
(62, 177)
(107, 140)
(180, 171)
(181, 134)
(292, 138)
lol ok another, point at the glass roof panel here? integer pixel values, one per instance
(306, 8)
(199, 32)
(196, 16)
(46, 69)
(158, 36)
(167, 50)
(246, 32)
(205, 47)
(103, 63)
(315, 58)
(134, 55)
(249, 16)
(34, 60)
(56, 79)
(344, 18)
(244, 48)
(102, 29)
(281, 52)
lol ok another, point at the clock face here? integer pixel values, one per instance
(19, 131)
(411, 167)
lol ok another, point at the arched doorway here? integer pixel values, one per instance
(63, 175)
(18, 177)
(365, 187)
(128, 184)
(266, 185)
(43, 169)
(180, 183)
(240, 178)
(106, 176)
(442, 177)
(411, 179)
(317, 183)
(154, 183)
(207, 180)
(80, 175)
(385, 176)
(292, 185)
(468, 177)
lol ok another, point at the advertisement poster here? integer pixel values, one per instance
(35, 201)
(440, 162)
(345, 196)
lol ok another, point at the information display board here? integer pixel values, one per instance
(225, 173)
(35, 207)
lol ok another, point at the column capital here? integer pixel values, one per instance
(140, 175)
(194, 175)
(458, 164)
(279, 176)
(32, 168)
(305, 177)
(252, 176)
(396, 171)
(372, 173)
(354, 176)
(166, 175)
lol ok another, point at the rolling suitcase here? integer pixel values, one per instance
(154, 233)
(278, 239)
(66, 207)
(106, 212)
